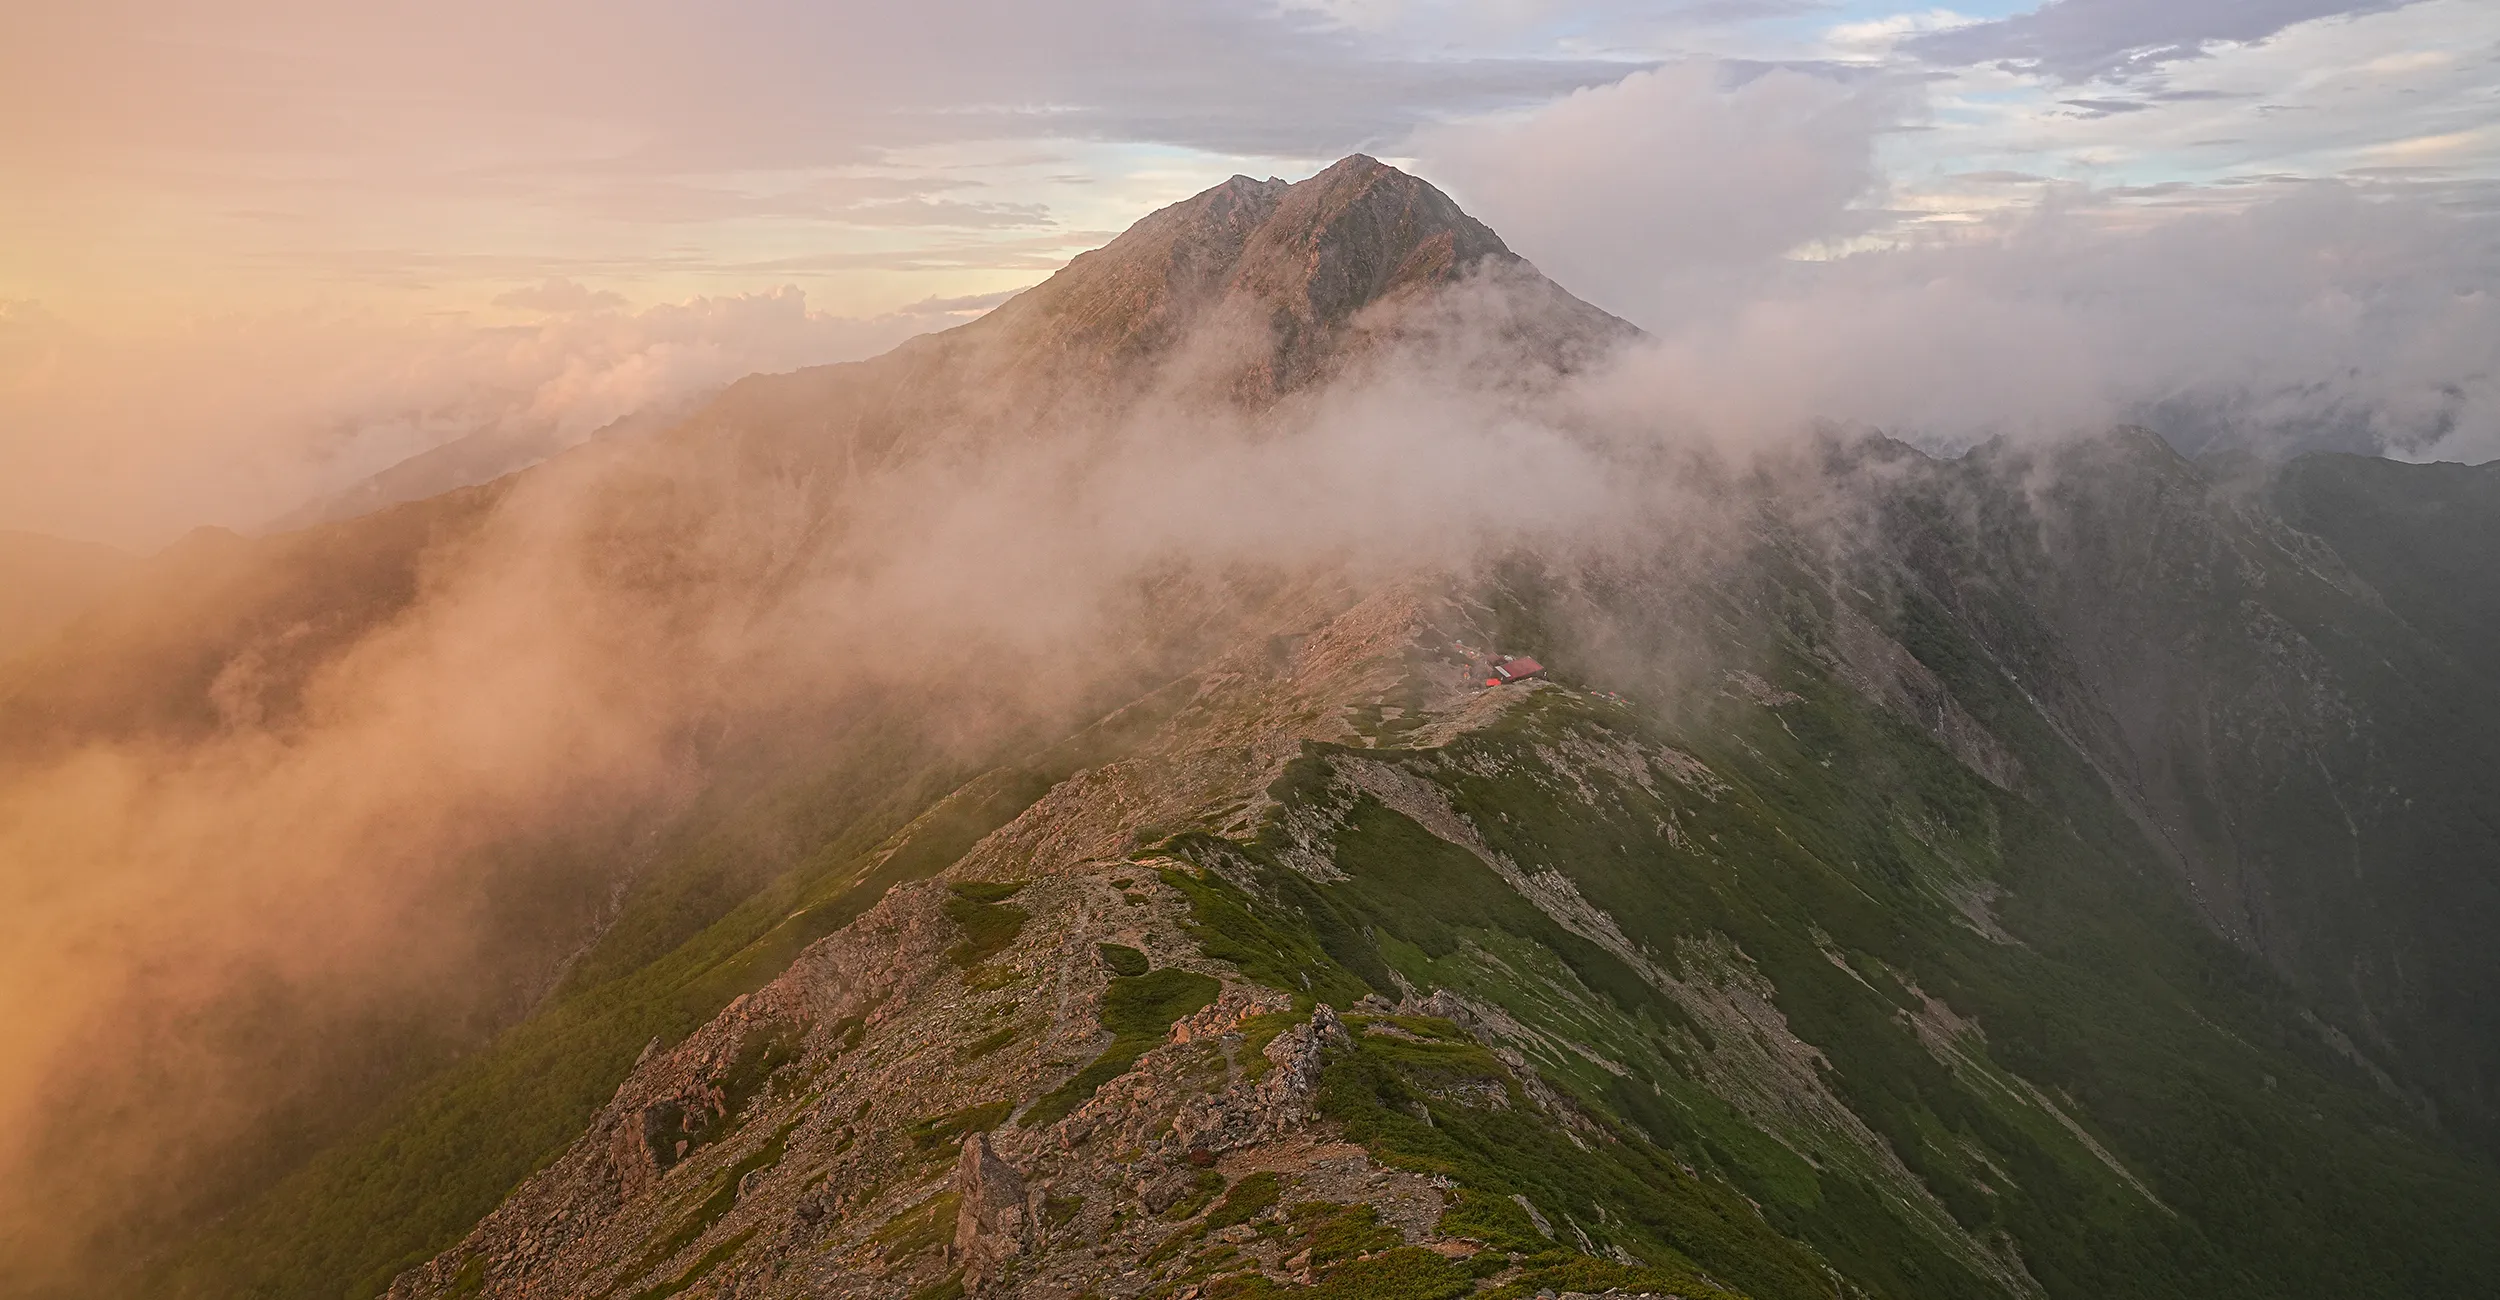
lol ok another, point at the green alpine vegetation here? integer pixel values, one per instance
(2079, 1070)
(1138, 1010)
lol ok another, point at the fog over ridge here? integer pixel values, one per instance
(582, 644)
(584, 647)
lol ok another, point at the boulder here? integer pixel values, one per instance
(989, 1220)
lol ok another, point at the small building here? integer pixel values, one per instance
(1519, 669)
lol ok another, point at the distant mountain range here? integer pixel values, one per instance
(2064, 870)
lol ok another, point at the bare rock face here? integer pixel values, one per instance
(989, 1218)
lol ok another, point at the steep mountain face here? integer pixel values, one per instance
(2051, 872)
(2285, 686)
(2425, 538)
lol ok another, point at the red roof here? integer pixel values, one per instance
(1518, 668)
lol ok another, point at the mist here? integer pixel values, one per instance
(588, 646)
(134, 437)
(1745, 220)
(603, 638)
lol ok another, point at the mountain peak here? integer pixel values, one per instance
(1247, 292)
(1286, 267)
(1359, 232)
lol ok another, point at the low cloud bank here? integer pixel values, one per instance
(237, 422)
(2277, 316)
(566, 669)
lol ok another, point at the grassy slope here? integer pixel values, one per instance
(2320, 757)
(2277, 1170)
(697, 931)
(2427, 537)
(2408, 903)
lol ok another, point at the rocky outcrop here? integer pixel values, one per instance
(989, 1213)
(1297, 1054)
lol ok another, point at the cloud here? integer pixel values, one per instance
(675, 87)
(2316, 100)
(560, 296)
(239, 420)
(2106, 107)
(2075, 40)
(287, 152)
(1614, 190)
(2279, 313)
(944, 212)
(956, 252)
(971, 302)
(308, 146)
(2319, 318)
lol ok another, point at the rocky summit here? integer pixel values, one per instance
(1246, 295)
(2056, 871)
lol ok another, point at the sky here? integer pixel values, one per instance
(252, 251)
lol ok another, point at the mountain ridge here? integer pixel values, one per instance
(1913, 879)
